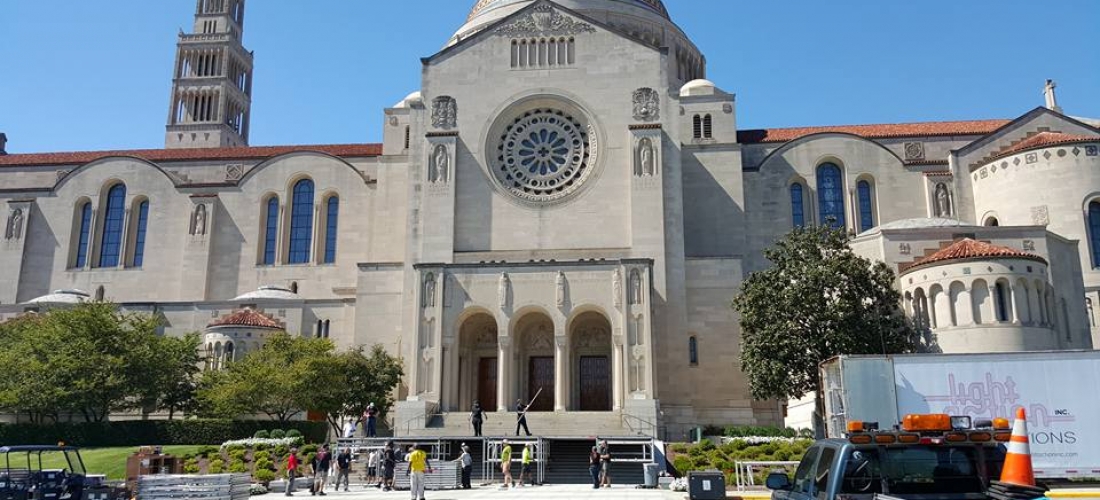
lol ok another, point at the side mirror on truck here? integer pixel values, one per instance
(778, 481)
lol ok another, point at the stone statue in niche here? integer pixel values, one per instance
(502, 289)
(559, 284)
(444, 112)
(198, 228)
(429, 291)
(647, 161)
(14, 229)
(647, 104)
(635, 287)
(440, 163)
(617, 288)
(943, 201)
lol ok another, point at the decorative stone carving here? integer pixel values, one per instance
(559, 285)
(905, 249)
(503, 288)
(544, 156)
(647, 104)
(393, 121)
(14, 228)
(540, 339)
(198, 220)
(1092, 150)
(617, 288)
(62, 173)
(234, 172)
(592, 337)
(486, 338)
(727, 108)
(444, 112)
(429, 291)
(914, 151)
(544, 20)
(1029, 245)
(943, 200)
(646, 160)
(1032, 158)
(635, 287)
(1040, 215)
(440, 164)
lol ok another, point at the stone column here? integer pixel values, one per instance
(1015, 291)
(504, 371)
(617, 379)
(561, 370)
(994, 317)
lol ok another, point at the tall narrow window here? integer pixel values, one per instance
(830, 192)
(693, 351)
(798, 210)
(1094, 232)
(708, 127)
(111, 241)
(139, 238)
(697, 127)
(271, 230)
(866, 206)
(1001, 291)
(301, 222)
(85, 233)
(331, 220)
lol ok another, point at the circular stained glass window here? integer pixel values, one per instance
(543, 155)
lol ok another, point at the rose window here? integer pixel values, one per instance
(543, 155)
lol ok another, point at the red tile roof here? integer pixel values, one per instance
(196, 154)
(1046, 139)
(247, 318)
(967, 248)
(884, 131)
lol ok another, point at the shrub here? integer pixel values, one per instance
(264, 464)
(234, 448)
(263, 476)
(262, 434)
(191, 466)
(310, 449)
(208, 451)
(143, 432)
(293, 433)
(216, 466)
(238, 467)
(678, 447)
(237, 455)
(683, 464)
(278, 434)
(705, 445)
(261, 455)
(281, 450)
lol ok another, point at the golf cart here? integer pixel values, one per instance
(45, 473)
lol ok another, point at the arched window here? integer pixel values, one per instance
(708, 128)
(83, 236)
(142, 220)
(100, 293)
(866, 206)
(301, 222)
(324, 330)
(1094, 232)
(1002, 303)
(111, 241)
(830, 193)
(271, 230)
(332, 215)
(693, 351)
(993, 222)
(798, 209)
(697, 127)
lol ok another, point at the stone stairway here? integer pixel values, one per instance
(569, 424)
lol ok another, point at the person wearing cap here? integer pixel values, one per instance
(372, 418)
(418, 466)
(466, 461)
(506, 464)
(389, 462)
(291, 470)
(526, 458)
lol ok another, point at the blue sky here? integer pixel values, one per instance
(80, 75)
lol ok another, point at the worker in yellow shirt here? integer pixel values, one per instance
(418, 465)
(527, 459)
(506, 464)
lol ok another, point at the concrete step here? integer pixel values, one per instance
(541, 424)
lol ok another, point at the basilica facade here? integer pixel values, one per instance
(562, 212)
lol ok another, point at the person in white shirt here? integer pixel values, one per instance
(372, 467)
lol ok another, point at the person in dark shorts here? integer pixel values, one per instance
(343, 469)
(389, 463)
(594, 467)
(477, 416)
(605, 464)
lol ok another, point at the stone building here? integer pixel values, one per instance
(566, 207)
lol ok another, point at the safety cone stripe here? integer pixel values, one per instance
(1019, 448)
(1017, 468)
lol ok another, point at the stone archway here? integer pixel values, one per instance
(478, 360)
(534, 361)
(591, 362)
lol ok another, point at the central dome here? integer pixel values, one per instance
(486, 12)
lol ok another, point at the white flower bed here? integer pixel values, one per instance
(253, 442)
(754, 440)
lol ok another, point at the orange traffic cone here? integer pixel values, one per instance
(1017, 469)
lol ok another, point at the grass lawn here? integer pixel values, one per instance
(109, 461)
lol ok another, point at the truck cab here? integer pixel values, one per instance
(921, 464)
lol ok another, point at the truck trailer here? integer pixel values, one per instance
(1060, 391)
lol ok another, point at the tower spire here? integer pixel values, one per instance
(211, 102)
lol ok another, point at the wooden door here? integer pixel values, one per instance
(487, 383)
(540, 374)
(595, 383)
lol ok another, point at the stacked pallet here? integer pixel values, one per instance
(1005, 491)
(208, 487)
(444, 476)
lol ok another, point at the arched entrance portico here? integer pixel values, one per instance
(477, 362)
(534, 360)
(591, 362)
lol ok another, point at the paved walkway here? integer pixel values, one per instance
(556, 492)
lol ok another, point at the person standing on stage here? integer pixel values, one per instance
(521, 417)
(372, 420)
(477, 416)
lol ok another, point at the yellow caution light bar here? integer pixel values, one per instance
(955, 437)
(981, 437)
(1001, 424)
(926, 423)
(885, 439)
(1003, 437)
(908, 438)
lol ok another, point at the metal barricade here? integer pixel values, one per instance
(492, 448)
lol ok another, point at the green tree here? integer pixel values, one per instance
(178, 374)
(30, 386)
(816, 301)
(347, 382)
(276, 381)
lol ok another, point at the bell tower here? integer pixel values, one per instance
(211, 99)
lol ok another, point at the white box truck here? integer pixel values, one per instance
(1060, 391)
